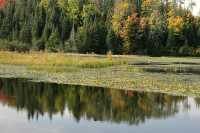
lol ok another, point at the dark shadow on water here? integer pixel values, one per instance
(163, 63)
(185, 71)
(186, 68)
(91, 103)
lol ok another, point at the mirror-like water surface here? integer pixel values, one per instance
(27, 107)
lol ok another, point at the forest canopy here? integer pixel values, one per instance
(154, 27)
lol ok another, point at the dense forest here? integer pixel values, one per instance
(154, 27)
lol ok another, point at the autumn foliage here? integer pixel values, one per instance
(2, 3)
(98, 26)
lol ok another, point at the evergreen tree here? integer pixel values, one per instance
(113, 42)
(53, 43)
(26, 33)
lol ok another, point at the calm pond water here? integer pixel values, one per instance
(27, 107)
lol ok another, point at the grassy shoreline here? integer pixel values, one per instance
(179, 76)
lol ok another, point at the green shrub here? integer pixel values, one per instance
(3, 44)
(70, 46)
(53, 44)
(39, 45)
(197, 52)
(14, 46)
(186, 50)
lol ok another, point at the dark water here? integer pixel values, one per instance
(27, 107)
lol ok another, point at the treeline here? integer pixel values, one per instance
(156, 27)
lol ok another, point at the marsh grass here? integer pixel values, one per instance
(57, 61)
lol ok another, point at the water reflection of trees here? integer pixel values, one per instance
(87, 102)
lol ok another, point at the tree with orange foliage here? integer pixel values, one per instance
(130, 33)
(2, 3)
